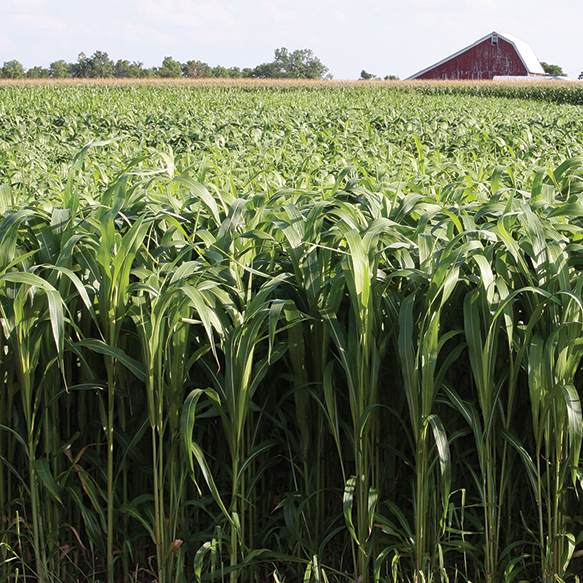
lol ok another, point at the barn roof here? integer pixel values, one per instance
(525, 52)
(523, 49)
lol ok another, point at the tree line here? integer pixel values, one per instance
(365, 76)
(298, 64)
(557, 71)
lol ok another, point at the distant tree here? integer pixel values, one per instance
(100, 65)
(196, 69)
(170, 68)
(60, 69)
(580, 76)
(364, 76)
(223, 72)
(37, 73)
(220, 72)
(553, 70)
(12, 70)
(268, 71)
(247, 72)
(82, 67)
(369, 76)
(234, 72)
(124, 68)
(300, 64)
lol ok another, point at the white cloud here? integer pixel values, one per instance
(274, 14)
(188, 13)
(458, 6)
(6, 43)
(432, 4)
(137, 33)
(20, 6)
(50, 24)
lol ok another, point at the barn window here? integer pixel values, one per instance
(494, 40)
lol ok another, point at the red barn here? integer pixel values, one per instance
(494, 54)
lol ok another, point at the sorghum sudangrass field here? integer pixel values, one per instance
(289, 334)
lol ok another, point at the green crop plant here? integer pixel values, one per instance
(319, 333)
(361, 345)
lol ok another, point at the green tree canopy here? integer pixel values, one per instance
(59, 69)
(366, 76)
(37, 73)
(553, 70)
(196, 69)
(81, 67)
(369, 76)
(300, 64)
(223, 72)
(170, 68)
(100, 65)
(123, 68)
(97, 65)
(12, 70)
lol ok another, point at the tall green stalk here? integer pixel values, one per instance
(361, 347)
(557, 421)
(26, 334)
(421, 343)
(114, 259)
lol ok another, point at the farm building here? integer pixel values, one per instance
(495, 54)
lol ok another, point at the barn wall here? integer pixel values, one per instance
(482, 61)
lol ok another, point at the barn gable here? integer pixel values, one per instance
(493, 55)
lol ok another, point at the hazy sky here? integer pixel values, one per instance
(397, 37)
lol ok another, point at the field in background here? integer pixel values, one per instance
(549, 91)
(326, 333)
(273, 82)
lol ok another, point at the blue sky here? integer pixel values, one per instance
(397, 37)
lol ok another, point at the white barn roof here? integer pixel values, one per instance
(523, 49)
(525, 53)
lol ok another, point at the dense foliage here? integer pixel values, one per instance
(549, 91)
(554, 70)
(299, 64)
(319, 335)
